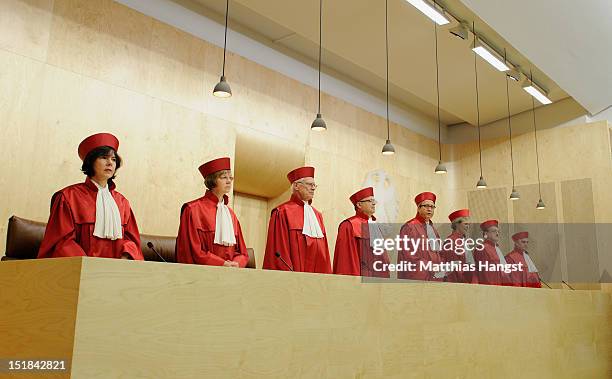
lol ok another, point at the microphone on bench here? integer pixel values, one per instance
(546, 284)
(572, 288)
(150, 246)
(282, 260)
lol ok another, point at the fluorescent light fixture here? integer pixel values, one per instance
(430, 11)
(490, 56)
(537, 93)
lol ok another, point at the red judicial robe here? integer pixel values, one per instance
(415, 229)
(196, 236)
(69, 232)
(353, 254)
(488, 255)
(301, 252)
(522, 278)
(449, 255)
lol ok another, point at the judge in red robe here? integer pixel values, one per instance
(490, 253)
(209, 232)
(92, 218)
(421, 229)
(457, 251)
(528, 276)
(353, 254)
(296, 233)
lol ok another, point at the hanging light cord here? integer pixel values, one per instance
(438, 94)
(509, 126)
(535, 135)
(320, 40)
(387, 58)
(225, 37)
(477, 103)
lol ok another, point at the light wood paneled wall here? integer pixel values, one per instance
(252, 211)
(576, 174)
(75, 67)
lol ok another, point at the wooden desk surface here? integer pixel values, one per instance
(148, 319)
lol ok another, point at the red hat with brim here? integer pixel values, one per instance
(457, 214)
(361, 194)
(425, 196)
(215, 165)
(97, 140)
(301, 172)
(520, 236)
(487, 224)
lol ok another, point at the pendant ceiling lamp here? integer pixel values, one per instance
(388, 148)
(540, 204)
(222, 89)
(481, 182)
(440, 168)
(514, 195)
(319, 124)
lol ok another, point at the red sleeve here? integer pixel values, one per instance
(448, 253)
(408, 256)
(478, 275)
(243, 258)
(277, 242)
(189, 243)
(131, 238)
(515, 276)
(60, 234)
(346, 255)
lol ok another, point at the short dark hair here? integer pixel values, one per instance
(210, 181)
(98, 152)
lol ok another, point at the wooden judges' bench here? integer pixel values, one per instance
(113, 318)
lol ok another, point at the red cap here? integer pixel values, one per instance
(487, 224)
(214, 166)
(425, 196)
(457, 214)
(301, 172)
(520, 236)
(97, 140)
(361, 194)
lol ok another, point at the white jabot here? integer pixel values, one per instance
(500, 255)
(435, 246)
(311, 223)
(224, 227)
(530, 265)
(431, 235)
(375, 232)
(108, 219)
(469, 256)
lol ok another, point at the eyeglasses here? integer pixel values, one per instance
(428, 206)
(373, 201)
(311, 185)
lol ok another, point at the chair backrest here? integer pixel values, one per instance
(162, 244)
(251, 262)
(23, 238)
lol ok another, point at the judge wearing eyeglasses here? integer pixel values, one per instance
(353, 254)
(296, 234)
(421, 228)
